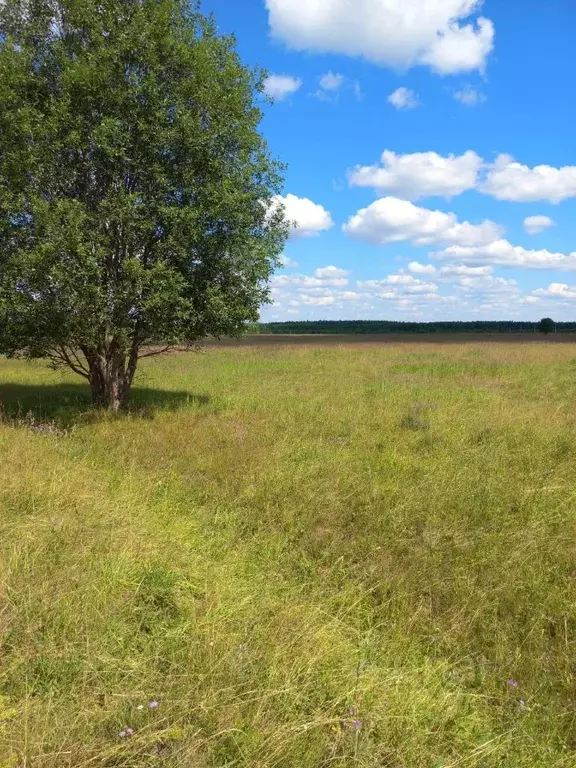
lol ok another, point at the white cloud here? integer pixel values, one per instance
(332, 84)
(510, 180)
(286, 261)
(397, 33)
(331, 272)
(456, 291)
(535, 224)
(461, 48)
(421, 269)
(474, 282)
(317, 301)
(390, 220)
(469, 96)
(502, 253)
(461, 270)
(557, 291)
(420, 174)
(326, 288)
(307, 282)
(403, 98)
(423, 174)
(308, 218)
(331, 81)
(487, 286)
(279, 87)
(396, 284)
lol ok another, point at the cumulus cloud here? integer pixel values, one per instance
(535, 224)
(403, 98)
(307, 218)
(280, 87)
(286, 261)
(396, 284)
(420, 174)
(487, 285)
(469, 96)
(400, 33)
(423, 174)
(317, 301)
(331, 84)
(331, 272)
(307, 282)
(557, 291)
(510, 180)
(421, 269)
(390, 220)
(331, 81)
(502, 253)
(463, 270)
(327, 287)
(455, 290)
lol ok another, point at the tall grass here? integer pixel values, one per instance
(306, 557)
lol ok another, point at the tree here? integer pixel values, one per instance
(136, 192)
(546, 325)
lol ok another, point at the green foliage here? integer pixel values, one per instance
(546, 325)
(135, 187)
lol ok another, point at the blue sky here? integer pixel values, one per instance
(430, 150)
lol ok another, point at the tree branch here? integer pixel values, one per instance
(62, 356)
(155, 352)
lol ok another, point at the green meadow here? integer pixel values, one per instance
(293, 557)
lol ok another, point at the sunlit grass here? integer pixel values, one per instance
(308, 557)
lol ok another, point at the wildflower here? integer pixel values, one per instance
(122, 734)
(129, 731)
(521, 704)
(512, 683)
(352, 710)
(153, 704)
(140, 706)
(357, 724)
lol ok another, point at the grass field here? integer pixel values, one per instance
(305, 556)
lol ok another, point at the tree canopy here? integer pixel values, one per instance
(546, 325)
(136, 189)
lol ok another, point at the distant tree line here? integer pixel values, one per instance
(393, 326)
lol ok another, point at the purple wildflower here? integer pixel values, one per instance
(129, 731)
(153, 704)
(357, 724)
(512, 683)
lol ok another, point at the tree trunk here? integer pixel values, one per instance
(96, 379)
(109, 379)
(115, 394)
